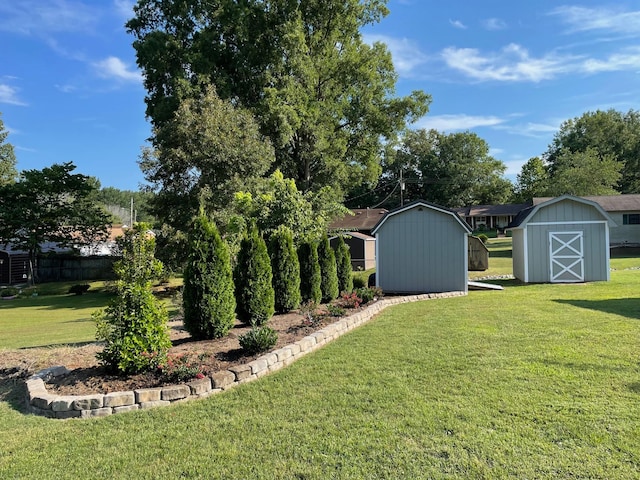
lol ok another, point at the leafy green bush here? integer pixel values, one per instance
(258, 339)
(343, 265)
(483, 238)
(134, 325)
(286, 270)
(359, 282)
(255, 297)
(328, 271)
(208, 298)
(335, 310)
(309, 272)
(9, 292)
(367, 294)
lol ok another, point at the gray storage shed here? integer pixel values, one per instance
(565, 239)
(421, 248)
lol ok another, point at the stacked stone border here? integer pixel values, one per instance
(41, 402)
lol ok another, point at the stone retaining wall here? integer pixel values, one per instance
(41, 402)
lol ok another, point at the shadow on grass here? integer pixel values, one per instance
(75, 302)
(12, 388)
(626, 307)
(59, 345)
(500, 254)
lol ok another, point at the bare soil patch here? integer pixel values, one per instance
(87, 376)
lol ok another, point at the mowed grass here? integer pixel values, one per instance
(51, 318)
(537, 381)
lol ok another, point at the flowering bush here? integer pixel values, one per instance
(350, 300)
(182, 367)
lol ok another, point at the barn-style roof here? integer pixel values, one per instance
(522, 217)
(422, 203)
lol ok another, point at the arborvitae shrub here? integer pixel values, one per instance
(208, 295)
(134, 325)
(286, 270)
(328, 271)
(343, 264)
(309, 272)
(253, 279)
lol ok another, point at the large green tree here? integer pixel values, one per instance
(52, 205)
(208, 150)
(452, 170)
(609, 135)
(532, 181)
(585, 173)
(324, 97)
(8, 172)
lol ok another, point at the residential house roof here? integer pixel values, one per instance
(510, 209)
(610, 203)
(363, 219)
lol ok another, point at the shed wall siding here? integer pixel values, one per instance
(517, 237)
(421, 250)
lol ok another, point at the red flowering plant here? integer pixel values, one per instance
(182, 367)
(350, 300)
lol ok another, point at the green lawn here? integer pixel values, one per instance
(537, 381)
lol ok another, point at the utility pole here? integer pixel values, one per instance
(131, 213)
(401, 189)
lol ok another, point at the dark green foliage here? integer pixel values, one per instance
(79, 289)
(483, 238)
(328, 271)
(310, 276)
(134, 325)
(343, 265)
(253, 278)
(358, 282)
(208, 297)
(286, 270)
(367, 294)
(258, 339)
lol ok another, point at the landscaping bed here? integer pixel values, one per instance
(87, 376)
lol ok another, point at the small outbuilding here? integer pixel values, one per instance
(565, 239)
(421, 248)
(362, 248)
(478, 255)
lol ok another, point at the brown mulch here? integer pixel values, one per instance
(87, 376)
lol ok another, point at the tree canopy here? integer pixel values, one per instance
(52, 205)
(532, 181)
(8, 172)
(324, 97)
(605, 136)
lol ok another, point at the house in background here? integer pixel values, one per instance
(624, 211)
(421, 248)
(565, 239)
(357, 230)
(490, 217)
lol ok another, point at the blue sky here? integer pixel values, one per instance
(509, 71)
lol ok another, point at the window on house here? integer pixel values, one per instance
(631, 219)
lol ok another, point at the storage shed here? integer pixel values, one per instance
(421, 248)
(14, 267)
(362, 248)
(565, 239)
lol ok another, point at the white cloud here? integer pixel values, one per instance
(449, 123)
(582, 19)
(514, 167)
(9, 95)
(113, 67)
(35, 17)
(627, 60)
(405, 53)
(494, 24)
(458, 24)
(513, 63)
(531, 129)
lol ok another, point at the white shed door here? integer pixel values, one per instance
(566, 256)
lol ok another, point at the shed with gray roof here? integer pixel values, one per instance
(564, 239)
(421, 248)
